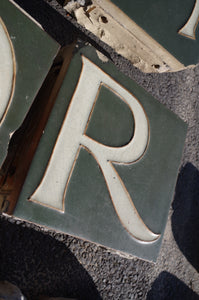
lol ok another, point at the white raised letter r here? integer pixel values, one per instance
(52, 189)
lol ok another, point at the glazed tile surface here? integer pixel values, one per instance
(106, 166)
(27, 53)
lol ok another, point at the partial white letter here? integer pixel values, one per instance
(189, 28)
(7, 69)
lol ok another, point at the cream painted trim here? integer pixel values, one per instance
(143, 39)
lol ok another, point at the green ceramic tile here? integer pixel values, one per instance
(172, 23)
(26, 55)
(106, 166)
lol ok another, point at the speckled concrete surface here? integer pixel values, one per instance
(41, 261)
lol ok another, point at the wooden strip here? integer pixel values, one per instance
(25, 141)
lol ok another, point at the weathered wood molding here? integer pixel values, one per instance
(115, 28)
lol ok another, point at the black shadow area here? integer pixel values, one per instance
(169, 287)
(56, 25)
(185, 218)
(60, 25)
(40, 265)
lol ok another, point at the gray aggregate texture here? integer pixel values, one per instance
(41, 261)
